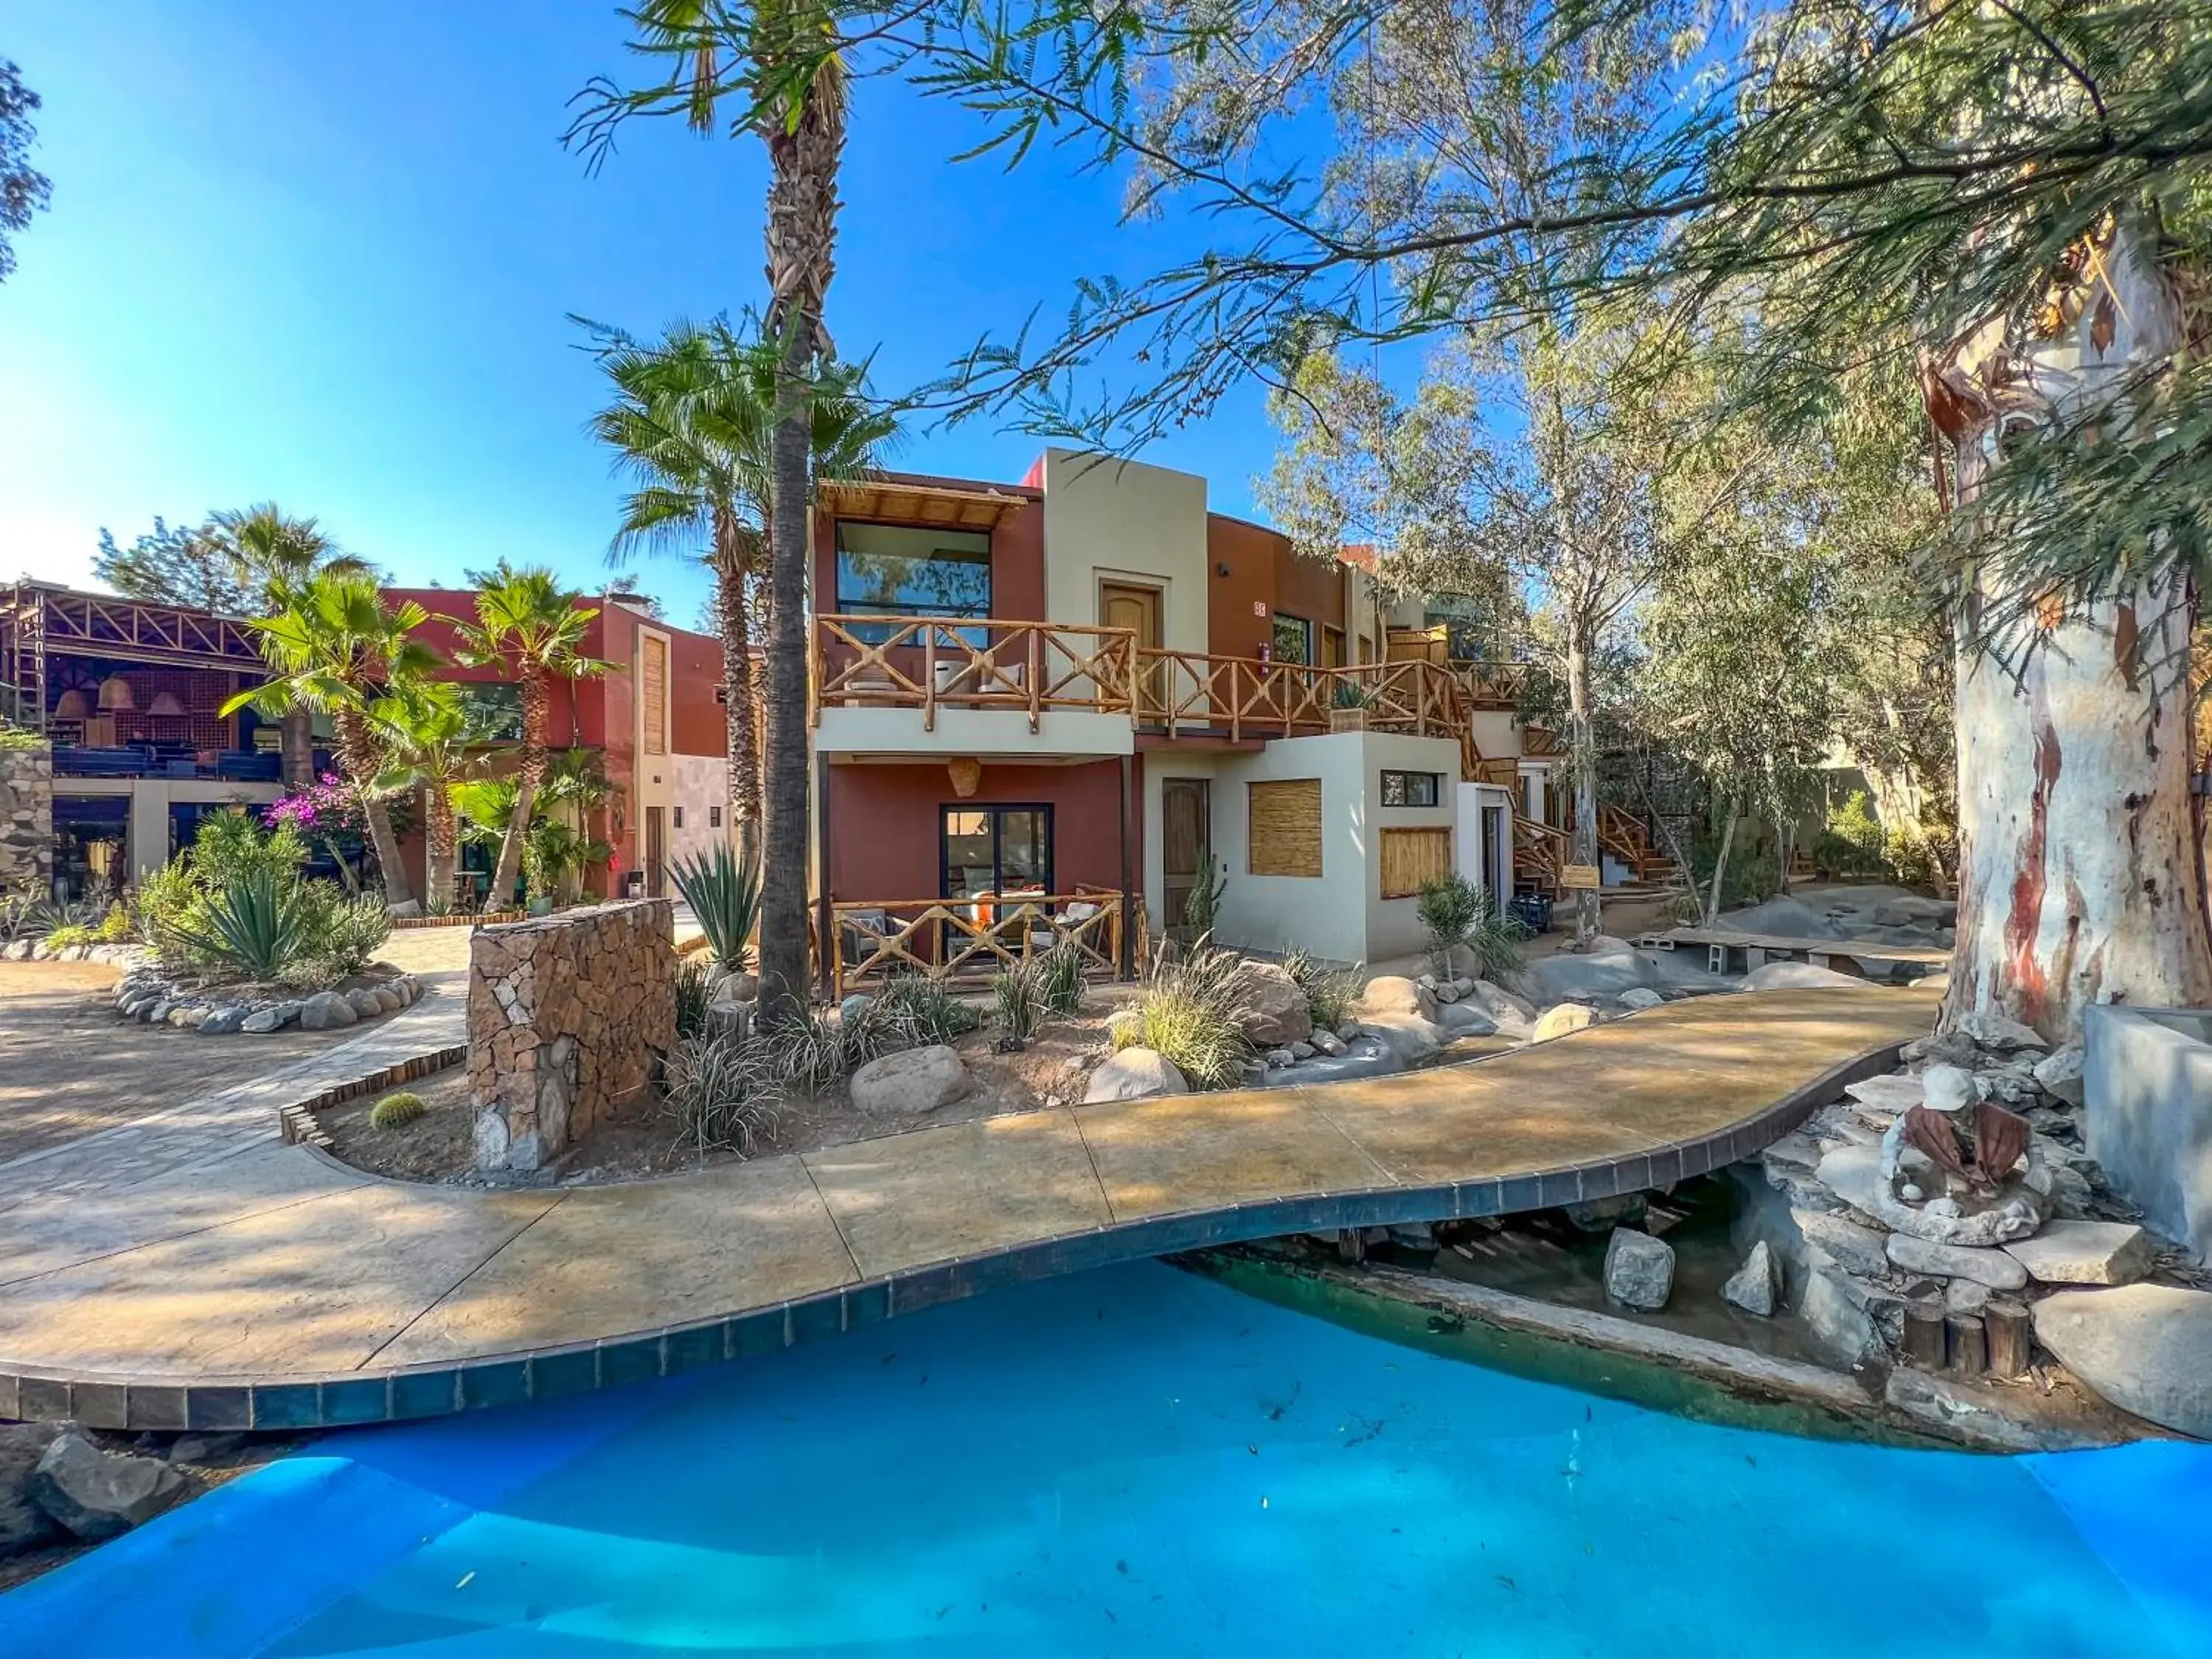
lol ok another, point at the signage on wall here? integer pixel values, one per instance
(1258, 607)
(1578, 877)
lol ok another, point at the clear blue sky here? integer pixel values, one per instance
(324, 253)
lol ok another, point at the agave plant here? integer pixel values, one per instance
(258, 922)
(724, 893)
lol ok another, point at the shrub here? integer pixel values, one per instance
(1330, 992)
(1060, 978)
(1852, 841)
(344, 932)
(14, 736)
(921, 1007)
(1191, 1012)
(1017, 993)
(1457, 915)
(726, 1091)
(257, 924)
(723, 894)
(1125, 1029)
(693, 997)
(396, 1111)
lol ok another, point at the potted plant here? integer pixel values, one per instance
(1349, 706)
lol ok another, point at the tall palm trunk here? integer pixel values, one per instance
(441, 841)
(743, 747)
(296, 747)
(783, 954)
(528, 778)
(802, 238)
(359, 749)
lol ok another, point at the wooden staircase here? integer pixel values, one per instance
(1625, 836)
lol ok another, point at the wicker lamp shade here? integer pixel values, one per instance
(166, 706)
(967, 775)
(115, 696)
(72, 705)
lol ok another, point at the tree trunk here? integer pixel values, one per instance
(1720, 864)
(2078, 878)
(1581, 765)
(784, 885)
(743, 746)
(530, 773)
(296, 743)
(440, 842)
(359, 750)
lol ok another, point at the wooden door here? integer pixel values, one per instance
(1186, 845)
(1121, 604)
(1332, 647)
(656, 852)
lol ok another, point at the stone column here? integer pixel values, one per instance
(26, 821)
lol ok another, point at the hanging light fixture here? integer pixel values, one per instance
(72, 705)
(165, 706)
(115, 696)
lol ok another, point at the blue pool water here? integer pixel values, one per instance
(1142, 1462)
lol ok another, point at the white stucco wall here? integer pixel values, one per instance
(697, 783)
(1106, 519)
(881, 731)
(1341, 913)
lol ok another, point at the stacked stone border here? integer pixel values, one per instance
(296, 1125)
(332, 1400)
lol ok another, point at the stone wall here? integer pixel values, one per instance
(566, 1014)
(26, 821)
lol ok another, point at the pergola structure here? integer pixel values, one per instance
(41, 620)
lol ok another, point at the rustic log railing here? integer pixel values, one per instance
(967, 940)
(931, 663)
(1540, 849)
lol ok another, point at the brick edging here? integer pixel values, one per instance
(473, 919)
(296, 1125)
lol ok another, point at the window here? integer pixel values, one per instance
(893, 571)
(1413, 788)
(1293, 641)
(1284, 829)
(493, 710)
(678, 819)
(1005, 850)
(1412, 859)
(714, 817)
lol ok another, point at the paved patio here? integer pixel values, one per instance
(191, 1271)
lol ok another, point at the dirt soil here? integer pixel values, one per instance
(69, 1066)
(643, 1138)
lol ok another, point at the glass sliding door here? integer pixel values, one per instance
(993, 852)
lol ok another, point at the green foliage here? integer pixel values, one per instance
(14, 736)
(723, 894)
(1202, 907)
(1018, 996)
(396, 1110)
(1330, 992)
(177, 564)
(345, 931)
(726, 1091)
(923, 1007)
(256, 924)
(1192, 1011)
(1850, 843)
(1457, 916)
(693, 997)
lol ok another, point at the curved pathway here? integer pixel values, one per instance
(206, 1276)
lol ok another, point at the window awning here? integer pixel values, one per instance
(914, 501)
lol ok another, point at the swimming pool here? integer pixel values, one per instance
(1141, 1462)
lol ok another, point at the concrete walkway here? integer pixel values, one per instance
(192, 1272)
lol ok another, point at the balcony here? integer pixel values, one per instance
(155, 759)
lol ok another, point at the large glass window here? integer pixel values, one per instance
(893, 571)
(1293, 640)
(1001, 850)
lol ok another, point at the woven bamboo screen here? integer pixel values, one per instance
(655, 678)
(1284, 827)
(1412, 859)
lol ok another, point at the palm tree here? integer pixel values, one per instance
(780, 57)
(433, 743)
(531, 627)
(334, 648)
(274, 555)
(691, 422)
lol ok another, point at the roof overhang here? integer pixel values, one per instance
(912, 502)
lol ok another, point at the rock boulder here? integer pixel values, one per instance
(2085, 1253)
(1272, 1006)
(1639, 1269)
(23, 1524)
(1755, 1287)
(1562, 1019)
(1135, 1074)
(914, 1080)
(99, 1494)
(326, 1010)
(2147, 1348)
(1799, 976)
(1991, 1267)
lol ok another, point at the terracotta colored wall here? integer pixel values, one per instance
(695, 675)
(883, 823)
(1263, 568)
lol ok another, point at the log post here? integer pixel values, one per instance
(1970, 1346)
(2010, 1338)
(1925, 1334)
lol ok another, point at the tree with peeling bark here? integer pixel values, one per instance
(692, 422)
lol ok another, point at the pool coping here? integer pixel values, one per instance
(295, 1400)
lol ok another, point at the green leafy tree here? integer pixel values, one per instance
(433, 741)
(23, 189)
(532, 629)
(692, 423)
(175, 565)
(335, 649)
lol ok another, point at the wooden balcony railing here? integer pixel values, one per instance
(934, 662)
(967, 940)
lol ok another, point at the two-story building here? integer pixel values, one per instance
(1087, 694)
